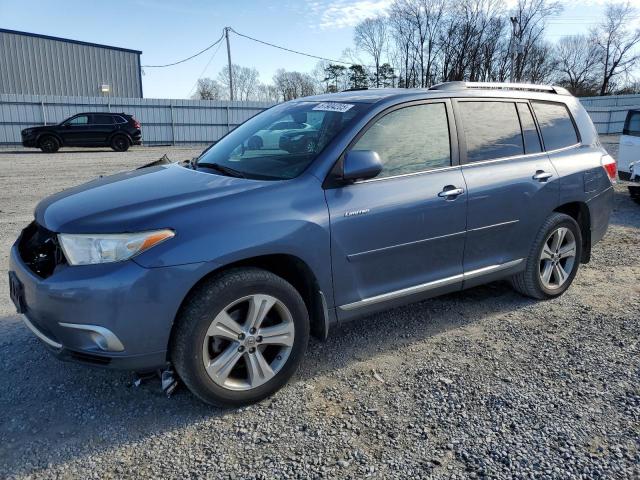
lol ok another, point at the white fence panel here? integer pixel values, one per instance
(164, 122)
(608, 113)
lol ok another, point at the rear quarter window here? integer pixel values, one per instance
(556, 126)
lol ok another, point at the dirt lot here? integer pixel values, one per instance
(482, 383)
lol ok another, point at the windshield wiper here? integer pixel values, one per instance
(231, 172)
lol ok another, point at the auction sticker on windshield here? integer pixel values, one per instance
(333, 107)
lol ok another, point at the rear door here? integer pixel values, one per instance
(512, 185)
(400, 233)
(102, 126)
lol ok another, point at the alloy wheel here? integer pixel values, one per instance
(557, 258)
(248, 342)
(120, 143)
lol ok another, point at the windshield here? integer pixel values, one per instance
(279, 143)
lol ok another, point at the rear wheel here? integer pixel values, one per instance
(120, 143)
(49, 144)
(553, 261)
(240, 337)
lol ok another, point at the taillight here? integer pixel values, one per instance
(609, 165)
(136, 123)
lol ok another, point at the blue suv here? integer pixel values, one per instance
(311, 214)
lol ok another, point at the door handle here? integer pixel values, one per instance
(450, 191)
(542, 176)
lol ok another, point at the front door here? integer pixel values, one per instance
(402, 233)
(512, 184)
(75, 130)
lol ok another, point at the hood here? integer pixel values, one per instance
(136, 200)
(39, 128)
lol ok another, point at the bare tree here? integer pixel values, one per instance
(245, 81)
(371, 36)
(402, 33)
(207, 89)
(532, 16)
(616, 44)
(267, 93)
(576, 58)
(541, 64)
(291, 85)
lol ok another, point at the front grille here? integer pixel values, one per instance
(40, 251)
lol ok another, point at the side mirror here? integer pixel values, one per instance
(361, 165)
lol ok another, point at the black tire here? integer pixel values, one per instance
(529, 281)
(49, 144)
(120, 143)
(204, 304)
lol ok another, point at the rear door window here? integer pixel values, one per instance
(632, 124)
(102, 120)
(491, 129)
(555, 124)
(529, 130)
(410, 139)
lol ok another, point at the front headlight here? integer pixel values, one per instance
(86, 249)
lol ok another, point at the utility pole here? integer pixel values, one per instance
(226, 36)
(514, 25)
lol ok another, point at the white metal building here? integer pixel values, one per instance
(42, 65)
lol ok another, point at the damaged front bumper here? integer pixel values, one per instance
(116, 315)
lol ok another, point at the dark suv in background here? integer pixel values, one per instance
(94, 129)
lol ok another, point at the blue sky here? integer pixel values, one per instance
(170, 30)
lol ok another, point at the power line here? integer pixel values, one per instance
(293, 51)
(205, 68)
(188, 58)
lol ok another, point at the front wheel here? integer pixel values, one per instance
(49, 144)
(240, 337)
(553, 261)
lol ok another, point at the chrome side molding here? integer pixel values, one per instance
(425, 287)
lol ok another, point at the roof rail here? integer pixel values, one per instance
(500, 86)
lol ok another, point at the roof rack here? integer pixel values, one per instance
(531, 87)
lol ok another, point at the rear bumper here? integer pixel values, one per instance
(116, 315)
(136, 138)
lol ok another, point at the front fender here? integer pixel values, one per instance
(291, 219)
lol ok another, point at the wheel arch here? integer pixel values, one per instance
(119, 132)
(49, 133)
(579, 211)
(289, 267)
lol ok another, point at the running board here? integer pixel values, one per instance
(425, 287)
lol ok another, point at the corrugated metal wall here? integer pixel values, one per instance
(163, 121)
(608, 113)
(39, 65)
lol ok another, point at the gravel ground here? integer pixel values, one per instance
(483, 383)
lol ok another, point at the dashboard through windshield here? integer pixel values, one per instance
(281, 142)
